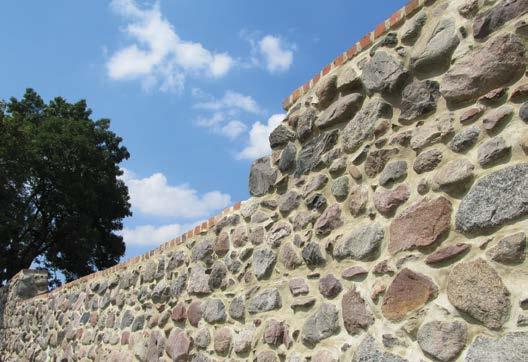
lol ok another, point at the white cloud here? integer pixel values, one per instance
(230, 101)
(158, 57)
(233, 129)
(154, 196)
(258, 143)
(277, 55)
(152, 236)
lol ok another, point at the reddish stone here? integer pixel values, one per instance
(356, 315)
(447, 253)
(388, 201)
(178, 345)
(496, 117)
(330, 286)
(408, 292)
(94, 317)
(179, 312)
(350, 273)
(125, 336)
(357, 200)
(329, 220)
(275, 333)
(471, 114)
(323, 356)
(493, 96)
(520, 93)
(377, 160)
(221, 246)
(422, 224)
(194, 312)
(382, 267)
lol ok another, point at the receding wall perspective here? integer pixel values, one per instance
(387, 225)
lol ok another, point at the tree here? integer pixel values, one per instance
(61, 197)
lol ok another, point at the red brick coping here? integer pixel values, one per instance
(396, 20)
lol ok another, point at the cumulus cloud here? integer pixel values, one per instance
(158, 57)
(230, 101)
(277, 55)
(152, 236)
(154, 196)
(258, 143)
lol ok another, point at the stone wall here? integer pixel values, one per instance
(388, 224)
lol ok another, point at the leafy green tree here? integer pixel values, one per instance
(61, 198)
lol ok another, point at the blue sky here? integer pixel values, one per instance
(194, 87)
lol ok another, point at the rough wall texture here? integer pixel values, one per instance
(388, 224)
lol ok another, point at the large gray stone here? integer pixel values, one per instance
(370, 351)
(268, 299)
(340, 111)
(419, 99)
(443, 340)
(280, 136)
(213, 311)
(465, 139)
(362, 126)
(326, 90)
(509, 250)
(263, 261)
(311, 153)
(261, 177)
(436, 54)
(393, 172)
(475, 288)
(500, 61)
(412, 28)
(287, 159)
(383, 74)
(320, 325)
(495, 199)
(361, 243)
(492, 150)
(491, 20)
(512, 347)
(453, 175)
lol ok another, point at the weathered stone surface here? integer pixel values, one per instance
(361, 243)
(329, 220)
(202, 338)
(213, 311)
(263, 262)
(475, 288)
(447, 253)
(419, 99)
(497, 117)
(370, 351)
(472, 114)
(491, 20)
(340, 111)
(312, 254)
(357, 200)
(453, 174)
(203, 251)
(330, 286)
(218, 275)
(387, 201)
(179, 345)
(261, 177)
(298, 286)
(287, 159)
(443, 340)
(500, 61)
(340, 187)
(348, 79)
(321, 325)
(314, 183)
(305, 124)
(393, 171)
(465, 139)
(523, 112)
(289, 201)
(326, 90)
(268, 299)
(427, 161)
(436, 53)
(431, 133)
(492, 150)
(469, 8)
(194, 312)
(266, 356)
(509, 250)
(495, 199)
(413, 28)
(356, 315)
(353, 272)
(310, 155)
(511, 347)
(316, 202)
(237, 308)
(289, 256)
(222, 340)
(422, 224)
(382, 73)
(221, 245)
(408, 292)
(198, 280)
(362, 126)
(280, 136)
(376, 160)
(243, 340)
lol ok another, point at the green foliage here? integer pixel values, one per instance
(61, 200)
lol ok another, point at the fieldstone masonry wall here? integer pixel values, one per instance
(388, 224)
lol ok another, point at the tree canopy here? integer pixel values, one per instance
(61, 198)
